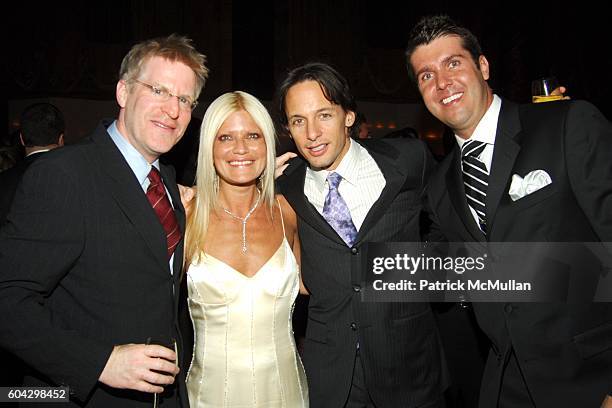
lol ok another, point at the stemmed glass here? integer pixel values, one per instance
(541, 90)
(168, 342)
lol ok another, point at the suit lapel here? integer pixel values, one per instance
(386, 158)
(293, 191)
(394, 180)
(456, 193)
(505, 152)
(169, 177)
(123, 186)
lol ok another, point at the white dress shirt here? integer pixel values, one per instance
(361, 185)
(485, 132)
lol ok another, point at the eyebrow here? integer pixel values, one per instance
(450, 57)
(298, 115)
(164, 87)
(443, 62)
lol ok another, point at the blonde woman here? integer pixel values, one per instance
(242, 251)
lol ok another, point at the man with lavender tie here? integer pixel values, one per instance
(336, 211)
(347, 194)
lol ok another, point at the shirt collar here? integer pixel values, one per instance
(36, 152)
(135, 160)
(347, 167)
(487, 127)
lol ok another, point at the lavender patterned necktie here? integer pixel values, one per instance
(336, 212)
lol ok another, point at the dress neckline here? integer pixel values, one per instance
(280, 210)
(207, 255)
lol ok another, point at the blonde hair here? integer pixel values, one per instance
(207, 192)
(173, 48)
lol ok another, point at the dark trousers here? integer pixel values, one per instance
(359, 397)
(514, 392)
(466, 348)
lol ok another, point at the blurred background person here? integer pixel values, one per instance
(362, 127)
(11, 151)
(42, 129)
(403, 133)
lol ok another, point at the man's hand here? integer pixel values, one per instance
(281, 163)
(607, 403)
(140, 367)
(560, 91)
(187, 195)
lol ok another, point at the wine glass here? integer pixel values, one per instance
(541, 90)
(168, 342)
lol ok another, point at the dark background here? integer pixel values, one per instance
(65, 49)
(68, 53)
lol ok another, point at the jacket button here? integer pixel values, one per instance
(356, 288)
(353, 326)
(508, 308)
(354, 250)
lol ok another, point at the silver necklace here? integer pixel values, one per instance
(245, 219)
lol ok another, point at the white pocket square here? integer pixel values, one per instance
(532, 182)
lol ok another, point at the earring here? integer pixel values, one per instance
(216, 184)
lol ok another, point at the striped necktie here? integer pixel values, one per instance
(156, 193)
(475, 179)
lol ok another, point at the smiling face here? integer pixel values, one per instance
(151, 125)
(239, 150)
(453, 87)
(318, 126)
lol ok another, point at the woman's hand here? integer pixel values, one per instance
(281, 163)
(187, 196)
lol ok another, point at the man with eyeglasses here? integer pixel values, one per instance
(91, 254)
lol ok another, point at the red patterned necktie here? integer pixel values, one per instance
(156, 193)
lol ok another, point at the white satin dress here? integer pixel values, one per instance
(245, 354)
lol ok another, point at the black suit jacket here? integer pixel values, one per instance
(12, 372)
(564, 349)
(9, 181)
(398, 342)
(84, 266)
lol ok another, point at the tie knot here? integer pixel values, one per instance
(334, 180)
(472, 148)
(154, 176)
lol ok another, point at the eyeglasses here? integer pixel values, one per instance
(164, 95)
